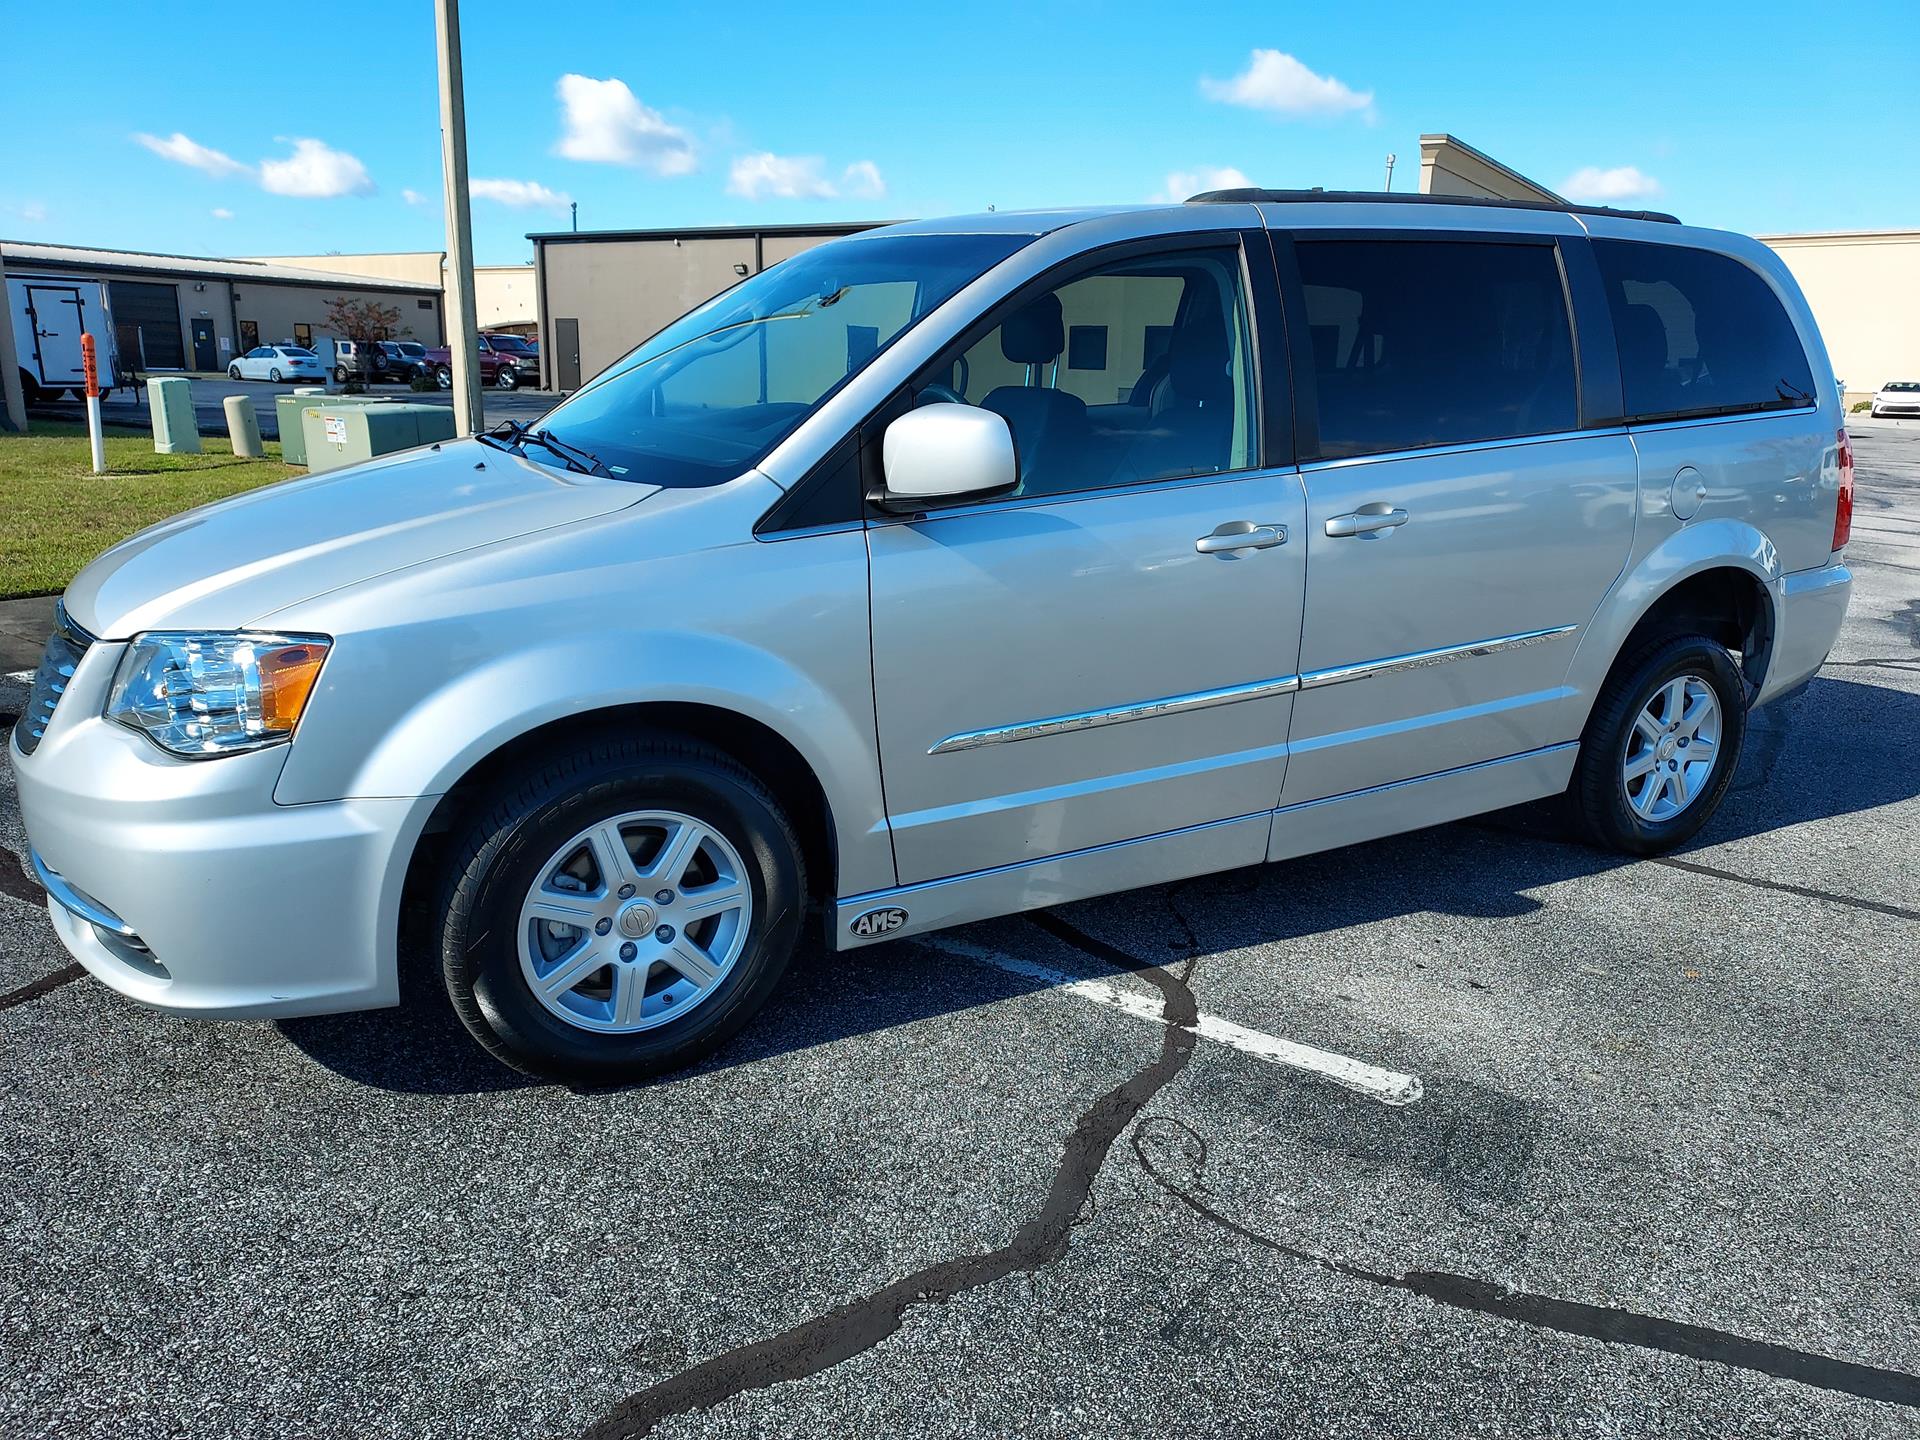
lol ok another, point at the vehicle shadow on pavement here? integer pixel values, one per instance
(1791, 771)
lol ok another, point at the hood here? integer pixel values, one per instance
(223, 566)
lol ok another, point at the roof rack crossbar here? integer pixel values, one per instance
(1257, 196)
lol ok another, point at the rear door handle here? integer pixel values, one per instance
(1366, 520)
(1241, 535)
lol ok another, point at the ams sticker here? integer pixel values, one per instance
(878, 922)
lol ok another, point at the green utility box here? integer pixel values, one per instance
(337, 435)
(170, 402)
(293, 446)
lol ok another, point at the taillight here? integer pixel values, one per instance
(1843, 513)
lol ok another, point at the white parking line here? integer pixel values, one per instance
(1389, 1087)
(23, 677)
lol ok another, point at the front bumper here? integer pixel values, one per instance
(1811, 605)
(180, 884)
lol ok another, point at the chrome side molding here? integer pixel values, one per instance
(1119, 715)
(1393, 664)
(1235, 694)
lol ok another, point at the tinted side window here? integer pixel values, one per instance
(1442, 342)
(1139, 370)
(1699, 334)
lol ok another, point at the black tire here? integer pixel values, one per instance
(505, 379)
(520, 823)
(340, 374)
(274, 374)
(233, 372)
(1597, 798)
(443, 377)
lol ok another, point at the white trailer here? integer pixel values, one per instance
(50, 313)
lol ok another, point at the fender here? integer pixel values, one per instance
(1709, 545)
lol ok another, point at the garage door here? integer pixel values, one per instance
(153, 310)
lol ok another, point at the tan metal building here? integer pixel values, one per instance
(188, 312)
(1864, 287)
(601, 292)
(505, 296)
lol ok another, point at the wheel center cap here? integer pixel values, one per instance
(636, 919)
(1665, 749)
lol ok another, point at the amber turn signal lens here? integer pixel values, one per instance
(287, 676)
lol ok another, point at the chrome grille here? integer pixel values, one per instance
(64, 648)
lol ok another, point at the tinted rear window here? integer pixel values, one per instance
(1441, 342)
(1699, 334)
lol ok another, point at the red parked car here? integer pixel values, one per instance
(505, 360)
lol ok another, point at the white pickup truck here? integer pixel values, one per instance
(49, 315)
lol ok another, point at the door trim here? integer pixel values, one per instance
(1235, 694)
(1118, 715)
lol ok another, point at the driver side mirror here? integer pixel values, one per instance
(945, 452)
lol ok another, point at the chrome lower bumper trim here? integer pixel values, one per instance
(83, 906)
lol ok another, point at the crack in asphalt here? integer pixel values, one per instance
(1568, 1317)
(1805, 892)
(847, 1330)
(33, 991)
(15, 883)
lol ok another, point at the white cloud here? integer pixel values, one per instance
(220, 212)
(606, 122)
(34, 212)
(182, 151)
(788, 177)
(315, 170)
(1593, 185)
(863, 180)
(1184, 184)
(521, 194)
(414, 197)
(1274, 80)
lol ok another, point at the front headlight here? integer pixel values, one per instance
(201, 695)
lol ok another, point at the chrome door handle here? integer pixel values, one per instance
(1366, 520)
(1241, 535)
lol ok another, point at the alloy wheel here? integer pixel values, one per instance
(1672, 749)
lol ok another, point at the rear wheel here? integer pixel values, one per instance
(274, 374)
(506, 379)
(233, 372)
(621, 911)
(1661, 746)
(443, 377)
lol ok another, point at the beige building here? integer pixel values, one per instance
(1864, 287)
(505, 296)
(186, 312)
(601, 292)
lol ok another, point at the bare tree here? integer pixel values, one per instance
(366, 323)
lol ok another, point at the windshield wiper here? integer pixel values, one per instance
(517, 434)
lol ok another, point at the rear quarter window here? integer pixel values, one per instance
(1699, 334)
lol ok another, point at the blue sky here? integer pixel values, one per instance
(249, 129)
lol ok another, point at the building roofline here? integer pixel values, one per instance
(1383, 197)
(706, 232)
(1441, 138)
(1839, 236)
(199, 267)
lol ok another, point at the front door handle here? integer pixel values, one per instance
(1366, 520)
(1241, 535)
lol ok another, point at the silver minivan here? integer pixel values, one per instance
(944, 571)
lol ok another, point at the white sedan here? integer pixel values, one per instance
(1897, 397)
(277, 362)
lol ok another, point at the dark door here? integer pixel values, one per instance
(204, 356)
(249, 336)
(566, 354)
(156, 310)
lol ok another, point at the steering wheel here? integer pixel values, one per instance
(938, 392)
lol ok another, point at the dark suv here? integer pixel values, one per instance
(505, 360)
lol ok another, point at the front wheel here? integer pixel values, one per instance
(443, 377)
(1660, 747)
(233, 372)
(505, 379)
(621, 910)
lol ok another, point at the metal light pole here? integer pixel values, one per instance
(1390, 160)
(463, 326)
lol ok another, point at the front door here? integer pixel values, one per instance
(566, 355)
(205, 356)
(1461, 528)
(1108, 652)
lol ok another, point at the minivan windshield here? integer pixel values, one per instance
(706, 398)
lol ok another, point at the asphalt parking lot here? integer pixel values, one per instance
(129, 407)
(1623, 1149)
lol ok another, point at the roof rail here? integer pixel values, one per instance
(1255, 195)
